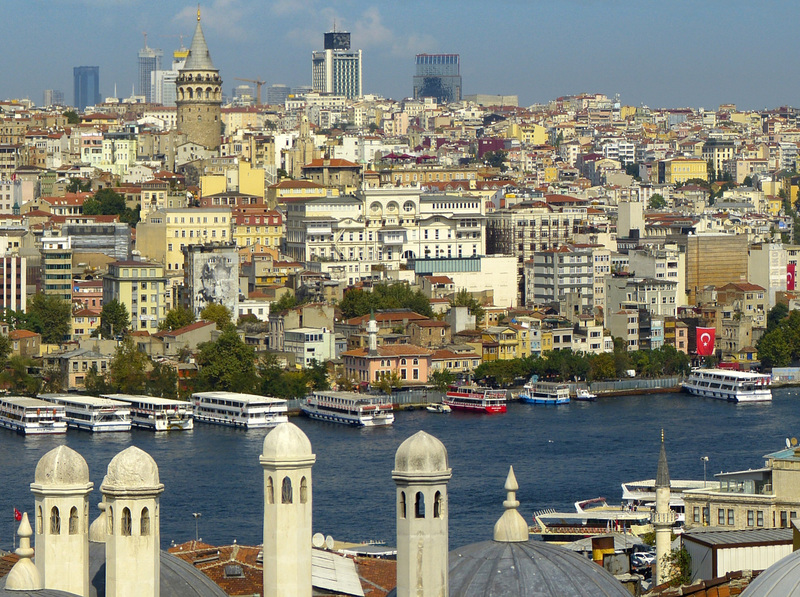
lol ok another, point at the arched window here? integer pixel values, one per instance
(55, 521)
(270, 491)
(303, 490)
(39, 523)
(191, 93)
(110, 520)
(402, 504)
(73, 521)
(125, 523)
(286, 491)
(144, 523)
(438, 503)
(419, 507)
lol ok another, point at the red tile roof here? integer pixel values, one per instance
(20, 334)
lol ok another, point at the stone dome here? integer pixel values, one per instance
(421, 453)
(529, 569)
(779, 580)
(132, 468)
(286, 442)
(62, 466)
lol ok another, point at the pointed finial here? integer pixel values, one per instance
(24, 576)
(662, 435)
(198, 13)
(511, 488)
(511, 527)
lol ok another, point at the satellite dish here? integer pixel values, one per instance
(794, 441)
(318, 540)
(329, 542)
(788, 443)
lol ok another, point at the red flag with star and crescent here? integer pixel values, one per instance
(790, 270)
(17, 515)
(705, 341)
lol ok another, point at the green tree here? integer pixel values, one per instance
(110, 203)
(681, 563)
(176, 318)
(49, 316)
(5, 350)
(114, 319)
(78, 185)
(18, 377)
(162, 381)
(464, 298)
(127, 371)
(389, 382)
(96, 384)
(226, 364)
(747, 182)
(775, 315)
(441, 379)
(219, 314)
(496, 159)
(286, 302)
(317, 376)
(72, 117)
(357, 302)
(602, 366)
(657, 201)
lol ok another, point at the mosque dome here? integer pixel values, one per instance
(132, 468)
(780, 579)
(286, 442)
(62, 466)
(421, 454)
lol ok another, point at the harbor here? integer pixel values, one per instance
(560, 455)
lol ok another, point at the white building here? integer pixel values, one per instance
(766, 267)
(337, 72)
(310, 344)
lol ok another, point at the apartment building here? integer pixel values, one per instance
(141, 287)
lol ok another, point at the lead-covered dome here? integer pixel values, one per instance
(779, 580)
(286, 442)
(134, 469)
(421, 453)
(61, 466)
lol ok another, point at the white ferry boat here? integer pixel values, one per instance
(158, 414)
(31, 416)
(544, 392)
(239, 410)
(92, 413)
(350, 408)
(727, 384)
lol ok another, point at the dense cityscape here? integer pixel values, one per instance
(210, 244)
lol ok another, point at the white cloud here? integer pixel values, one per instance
(227, 18)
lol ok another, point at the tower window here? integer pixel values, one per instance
(286, 491)
(270, 491)
(125, 523)
(39, 523)
(402, 504)
(144, 523)
(419, 507)
(110, 520)
(73, 521)
(55, 521)
(303, 490)
(438, 502)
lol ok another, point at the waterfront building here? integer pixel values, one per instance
(438, 76)
(56, 252)
(86, 85)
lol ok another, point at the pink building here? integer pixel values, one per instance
(412, 363)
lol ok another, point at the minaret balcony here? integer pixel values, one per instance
(662, 518)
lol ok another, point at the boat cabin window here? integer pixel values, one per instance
(73, 521)
(303, 490)
(286, 491)
(125, 523)
(437, 505)
(55, 521)
(419, 509)
(270, 491)
(402, 505)
(144, 523)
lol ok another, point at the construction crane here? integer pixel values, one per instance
(258, 83)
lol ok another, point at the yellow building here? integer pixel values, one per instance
(240, 175)
(679, 170)
(141, 287)
(286, 190)
(265, 229)
(83, 323)
(163, 234)
(505, 343)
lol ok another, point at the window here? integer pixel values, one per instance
(438, 503)
(286, 491)
(73, 521)
(750, 518)
(419, 506)
(270, 491)
(731, 518)
(125, 523)
(110, 520)
(760, 518)
(303, 490)
(784, 519)
(144, 523)
(721, 516)
(696, 514)
(55, 521)
(402, 505)
(39, 520)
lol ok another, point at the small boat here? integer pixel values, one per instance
(438, 407)
(545, 392)
(584, 395)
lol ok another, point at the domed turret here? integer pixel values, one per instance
(61, 466)
(132, 469)
(421, 454)
(286, 442)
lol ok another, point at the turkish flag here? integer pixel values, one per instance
(17, 515)
(705, 341)
(790, 267)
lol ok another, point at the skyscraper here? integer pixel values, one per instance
(337, 68)
(277, 94)
(163, 88)
(53, 97)
(149, 61)
(86, 85)
(438, 76)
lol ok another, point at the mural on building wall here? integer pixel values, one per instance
(215, 279)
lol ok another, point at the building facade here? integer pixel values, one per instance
(141, 287)
(438, 76)
(337, 69)
(86, 85)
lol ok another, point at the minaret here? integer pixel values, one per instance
(663, 518)
(24, 576)
(133, 553)
(421, 473)
(372, 331)
(287, 459)
(61, 488)
(199, 99)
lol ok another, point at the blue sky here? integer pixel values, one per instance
(671, 53)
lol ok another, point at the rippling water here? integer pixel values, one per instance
(560, 455)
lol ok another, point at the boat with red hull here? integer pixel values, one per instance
(475, 399)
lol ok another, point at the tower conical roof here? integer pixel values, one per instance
(662, 474)
(199, 57)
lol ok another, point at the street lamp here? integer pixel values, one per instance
(197, 516)
(705, 462)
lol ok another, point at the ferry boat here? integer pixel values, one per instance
(239, 410)
(475, 399)
(30, 416)
(730, 385)
(158, 414)
(349, 408)
(545, 392)
(92, 413)
(642, 494)
(586, 521)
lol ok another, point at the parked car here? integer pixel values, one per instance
(642, 559)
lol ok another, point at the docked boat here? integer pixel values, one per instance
(730, 385)
(591, 517)
(477, 399)
(158, 414)
(545, 392)
(584, 395)
(31, 416)
(349, 408)
(239, 410)
(438, 407)
(92, 413)
(642, 494)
